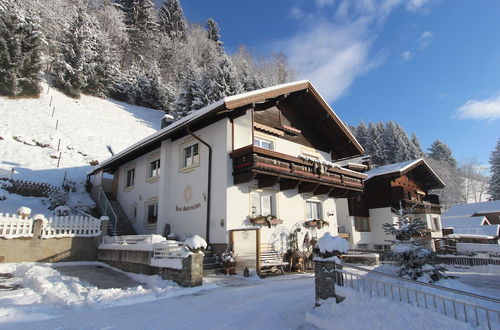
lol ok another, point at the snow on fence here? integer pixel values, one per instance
(71, 226)
(169, 254)
(463, 306)
(14, 226)
(466, 261)
(476, 247)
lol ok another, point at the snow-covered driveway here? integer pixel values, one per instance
(51, 300)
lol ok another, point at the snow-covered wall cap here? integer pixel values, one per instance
(467, 210)
(39, 217)
(24, 210)
(329, 243)
(196, 242)
(464, 222)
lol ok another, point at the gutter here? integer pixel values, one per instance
(209, 180)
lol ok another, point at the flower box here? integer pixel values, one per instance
(317, 223)
(269, 220)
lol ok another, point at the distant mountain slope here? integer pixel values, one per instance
(85, 126)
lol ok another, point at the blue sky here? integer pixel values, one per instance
(432, 66)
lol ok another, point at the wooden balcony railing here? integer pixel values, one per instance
(420, 207)
(271, 167)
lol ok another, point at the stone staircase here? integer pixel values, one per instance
(123, 225)
(211, 264)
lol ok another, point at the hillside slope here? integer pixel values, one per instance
(29, 139)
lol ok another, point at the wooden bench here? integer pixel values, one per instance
(271, 260)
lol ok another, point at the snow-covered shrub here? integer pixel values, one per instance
(228, 257)
(196, 243)
(62, 210)
(410, 256)
(24, 212)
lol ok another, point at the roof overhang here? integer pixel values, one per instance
(217, 111)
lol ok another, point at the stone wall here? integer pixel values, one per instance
(31, 249)
(325, 279)
(190, 275)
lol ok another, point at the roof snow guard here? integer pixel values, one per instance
(432, 180)
(217, 111)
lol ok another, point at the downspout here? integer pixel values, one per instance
(209, 179)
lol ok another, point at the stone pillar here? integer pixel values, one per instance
(325, 279)
(192, 270)
(104, 226)
(37, 228)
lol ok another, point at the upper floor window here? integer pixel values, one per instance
(362, 224)
(262, 204)
(154, 168)
(263, 143)
(190, 156)
(130, 178)
(435, 224)
(313, 210)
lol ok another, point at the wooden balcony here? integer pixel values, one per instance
(270, 167)
(420, 207)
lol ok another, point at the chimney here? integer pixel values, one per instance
(166, 120)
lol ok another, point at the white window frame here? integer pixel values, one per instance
(308, 214)
(155, 210)
(130, 180)
(153, 173)
(259, 142)
(262, 195)
(193, 159)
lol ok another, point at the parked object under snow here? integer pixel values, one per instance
(196, 243)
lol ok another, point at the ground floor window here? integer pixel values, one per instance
(313, 210)
(152, 213)
(262, 204)
(382, 247)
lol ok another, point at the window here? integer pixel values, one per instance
(152, 215)
(361, 224)
(435, 224)
(133, 213)
(363, 246)
(154, 168)
(313, 210)
(262, 204)
(263, 143)
(190, 156)
(130, 178)
(382, 247)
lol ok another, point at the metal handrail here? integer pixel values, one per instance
(468, 312)
(107, 207)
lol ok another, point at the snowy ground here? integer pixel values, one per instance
(51, 300)
(85, 126)
(485, 279)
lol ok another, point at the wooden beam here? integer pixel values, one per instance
(268, 181)
(243, 177)
(287, 184)
(305, 187)
(339, 193)
(322, 190)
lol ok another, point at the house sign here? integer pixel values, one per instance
(187, 197)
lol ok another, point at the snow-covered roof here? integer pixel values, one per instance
(399, 169)
(464, 222)
(467, 210)
(487, 231)
(230, 103)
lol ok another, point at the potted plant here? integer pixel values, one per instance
(269, 220)
(316, 223)
(229, 262)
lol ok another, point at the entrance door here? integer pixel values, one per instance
(245, 246)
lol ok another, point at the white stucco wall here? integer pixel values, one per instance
(290, 207)
(243, 130)
(144, 190)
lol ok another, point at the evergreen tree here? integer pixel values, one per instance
(440, 151)
(246, 70)
(375, 145)
(411, 256)
(494, 184)
(76, 61)
(172, 20)
(140, 20)
(213, 31)
(20, 57)
(415, 148)
(362, 135)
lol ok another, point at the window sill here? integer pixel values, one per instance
(152, 179)
(129, 188)
(189, 168)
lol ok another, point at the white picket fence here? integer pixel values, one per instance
(13, 226)
(71, 226)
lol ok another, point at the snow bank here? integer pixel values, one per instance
(196, 242)
(24, 211)
(360, 311)
(329, 243)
